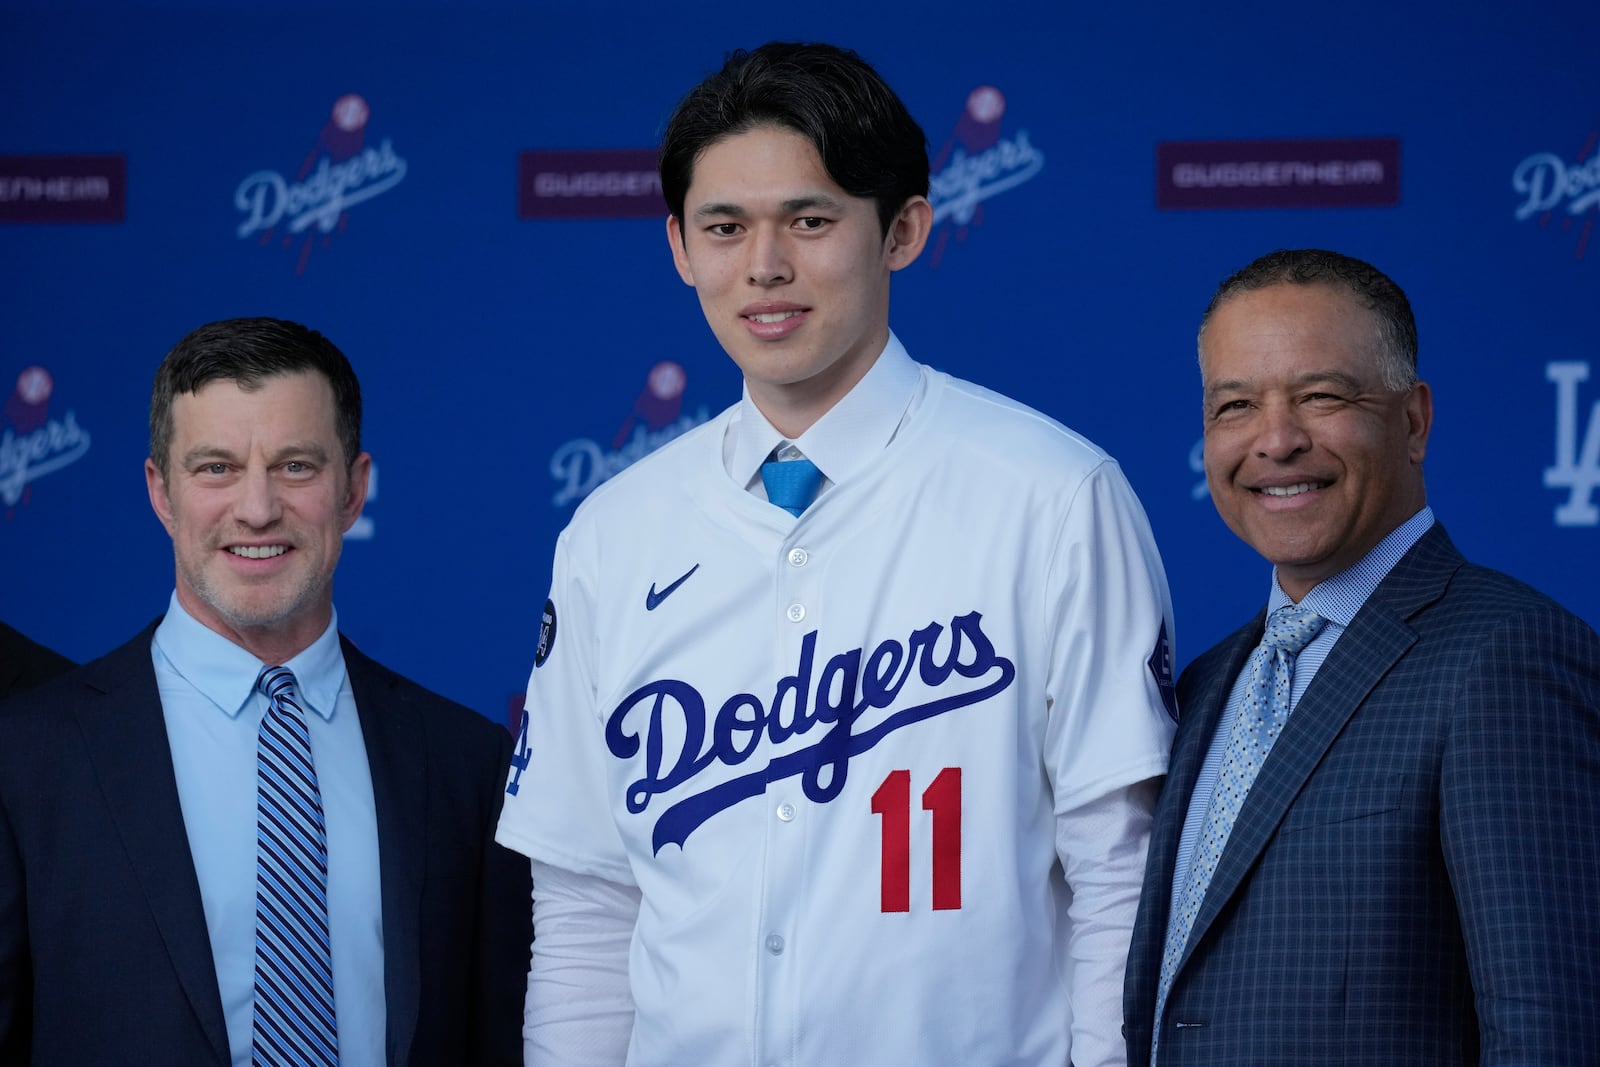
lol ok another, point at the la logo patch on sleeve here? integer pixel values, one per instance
(547, 634)
(1161, 670)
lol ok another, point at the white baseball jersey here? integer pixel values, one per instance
(830, 751)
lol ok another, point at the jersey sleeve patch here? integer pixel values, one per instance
(547, 634)
(1161, 671)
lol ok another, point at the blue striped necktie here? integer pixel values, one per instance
(294, 1020)
(1262, 714)
(791, 483)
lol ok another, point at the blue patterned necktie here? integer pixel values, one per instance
(1262, 713)
(791, 483)
(294, 1021)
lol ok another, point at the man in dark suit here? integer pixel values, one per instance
(237, 839)
(24, 662)
(1379, 841)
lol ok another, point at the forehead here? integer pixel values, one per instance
(298, 405)
(1289, 329)
(764, 163)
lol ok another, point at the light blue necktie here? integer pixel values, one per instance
(791, 483)
(1262, 713)
(294, 1021)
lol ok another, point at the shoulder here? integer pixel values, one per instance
(440, 716)
(1013, 423)
(24, 662)
(1473, 599)
(1502, 617)
(1220, 661)
(126, 667)
(659, 477)
(1014, 447)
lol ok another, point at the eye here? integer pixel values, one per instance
(810, 222)
(1324, 400)
(214, 468)
(724, 229)
(1230, 407)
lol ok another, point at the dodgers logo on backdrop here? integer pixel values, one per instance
(33, 442)
(978, 162)
(681, 737)
(581, 465)
(342, 170)
(1577, 468)
(1552, 187)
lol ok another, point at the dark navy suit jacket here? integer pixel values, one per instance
(104, 954)
(1415, 876)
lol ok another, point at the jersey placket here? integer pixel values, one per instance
(797, 589)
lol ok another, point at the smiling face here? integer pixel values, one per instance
(257, 500)
(792, 272)
(1309, 458)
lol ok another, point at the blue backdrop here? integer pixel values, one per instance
(375, 171)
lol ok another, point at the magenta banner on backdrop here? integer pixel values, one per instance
(617, 183)
(63, 188)
(1336, 172)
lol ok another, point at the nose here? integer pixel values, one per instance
(1282, 435)
(768, 260)
(258, 505)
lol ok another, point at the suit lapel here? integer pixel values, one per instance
(1200, 710)
(396, 756)
(126, 737)
(1375, 640)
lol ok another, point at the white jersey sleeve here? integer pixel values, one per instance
(1112, 715)
(1109, 687)
(558, 765)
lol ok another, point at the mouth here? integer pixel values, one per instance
(1291, 490)
(257, 551)
(771, 321)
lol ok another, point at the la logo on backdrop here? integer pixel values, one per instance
(342, 170)
(33, 443)
(1577, 465)
(978, 162)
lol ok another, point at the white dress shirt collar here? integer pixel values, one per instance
(847, 437)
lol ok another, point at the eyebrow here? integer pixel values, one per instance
(1235, 385)
(787, 207)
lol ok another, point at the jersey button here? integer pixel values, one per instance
(775, 944)
(799, 557)
(786, 812)
(797, 612)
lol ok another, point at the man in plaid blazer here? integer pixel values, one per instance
(1413, 876)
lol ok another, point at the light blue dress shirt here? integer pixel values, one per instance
(213, 714)
(1336, 599)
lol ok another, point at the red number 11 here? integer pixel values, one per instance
(893, 802)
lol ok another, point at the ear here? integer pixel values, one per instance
(1419, 421)
(160, 499)
(680, 254)
(356, 492)
(908, 233)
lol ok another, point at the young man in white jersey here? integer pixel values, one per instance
(849, 706)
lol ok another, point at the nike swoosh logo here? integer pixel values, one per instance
(653, 599)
